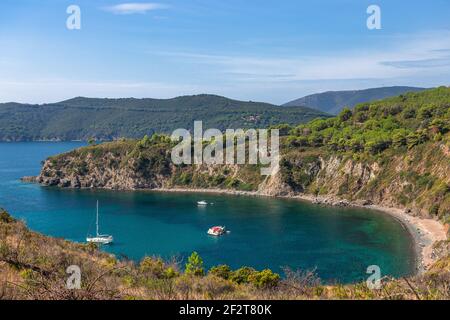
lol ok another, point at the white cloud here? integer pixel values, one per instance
(133, 8)
(414, 57)
(421, 63)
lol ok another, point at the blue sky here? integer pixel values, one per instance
(258, 50)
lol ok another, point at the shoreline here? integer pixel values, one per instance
(424, 232)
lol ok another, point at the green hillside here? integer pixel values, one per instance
(394, 152)
(399, 122)
(334, 101)
(106, 119)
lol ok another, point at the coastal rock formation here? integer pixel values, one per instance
(90, 175)
(403, 182)
(392, 153)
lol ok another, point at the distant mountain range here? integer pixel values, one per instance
(82, 118)
(334, 101)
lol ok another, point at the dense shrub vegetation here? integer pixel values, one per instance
(404, 142)
(401, 122)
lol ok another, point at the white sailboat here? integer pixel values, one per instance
(99, 238)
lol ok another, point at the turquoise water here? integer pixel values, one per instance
(265, 233)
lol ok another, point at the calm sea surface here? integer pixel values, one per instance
(265, 233)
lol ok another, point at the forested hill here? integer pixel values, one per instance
(334, 101)
(394, 153)
(83, 118)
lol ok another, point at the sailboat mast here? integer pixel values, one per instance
(97, 219)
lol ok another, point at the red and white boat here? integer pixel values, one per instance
(217, 231)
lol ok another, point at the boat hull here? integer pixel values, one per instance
(100, 240)
(217, 231)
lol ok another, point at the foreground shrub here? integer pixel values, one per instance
(242, 275)
(222, 271)
(194, 266)
(264, 279)
(154, 266)
(5, 217)
(157, 268)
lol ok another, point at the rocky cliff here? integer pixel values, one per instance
(393, 152)
(417, 180)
